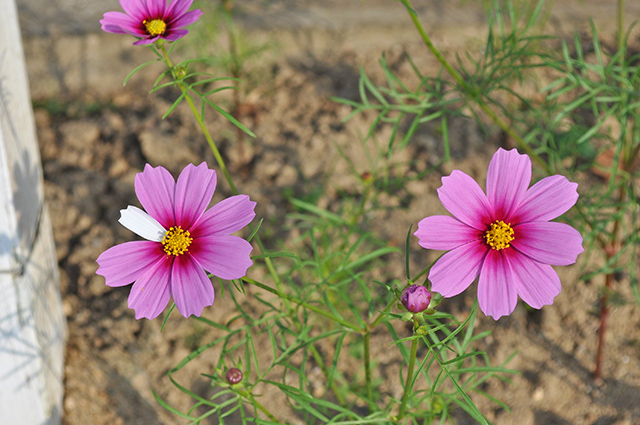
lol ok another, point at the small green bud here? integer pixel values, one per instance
(179, 72)
(422, 330)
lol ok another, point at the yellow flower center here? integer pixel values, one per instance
(176, 241)
(499, 236)
(155, 26)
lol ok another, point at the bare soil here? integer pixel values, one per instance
(95, 136)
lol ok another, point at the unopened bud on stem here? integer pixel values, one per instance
(234, 376)
(416, 298)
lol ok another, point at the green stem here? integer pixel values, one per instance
(251, 399)
(621, 29)
(367, 367)
(212, 145)
(216, 153)
(303, 304)
(409, 382)
(471, 91)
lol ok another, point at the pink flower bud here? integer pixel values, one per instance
(416, 298)
(234, 376)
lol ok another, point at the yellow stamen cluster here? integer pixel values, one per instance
(155, 26)
(499, 235)
(176, 241)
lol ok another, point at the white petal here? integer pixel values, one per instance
(142, 224)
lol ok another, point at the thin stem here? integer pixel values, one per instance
(621, 29)
(249, 396)
(409, 382)
(471, 91)
(605, 310)
(263, 409)
(613, 247)
(216, 153)
(236, 71)
(302, 303)
(212, 145)
(367, 366)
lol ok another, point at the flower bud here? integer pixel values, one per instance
(234, 376)
(416, 298)
(179, 72)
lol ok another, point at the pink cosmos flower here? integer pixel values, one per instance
(183, 240)
(151, 20)
(504, 237)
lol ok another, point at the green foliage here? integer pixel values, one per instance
(309, 334)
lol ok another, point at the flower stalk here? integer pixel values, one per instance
(367, 366)
(408, 385)
(201, 124)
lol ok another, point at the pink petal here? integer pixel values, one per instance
(226, 217)
(137, 9)
(444, 232)
(155, 189)
(174, 34)
(464, 199)
(537, 284)
(508, 178)
(156, 8)
(497, 292)
(186, 19)
(552, 243)
(119, 23)
(194, 190)
(125, 263)
(176, 9)
(455, 270)
(547, 199)
(225, 256)
(191, 288)
(151, 293)
(146, 41)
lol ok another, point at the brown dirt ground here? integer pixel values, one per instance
(95, 136)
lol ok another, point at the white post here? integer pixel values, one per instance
(32, 327)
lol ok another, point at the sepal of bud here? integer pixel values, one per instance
(436, 299)
(407, 317)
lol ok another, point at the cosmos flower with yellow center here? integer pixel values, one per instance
(504, 238)
(151, 20)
